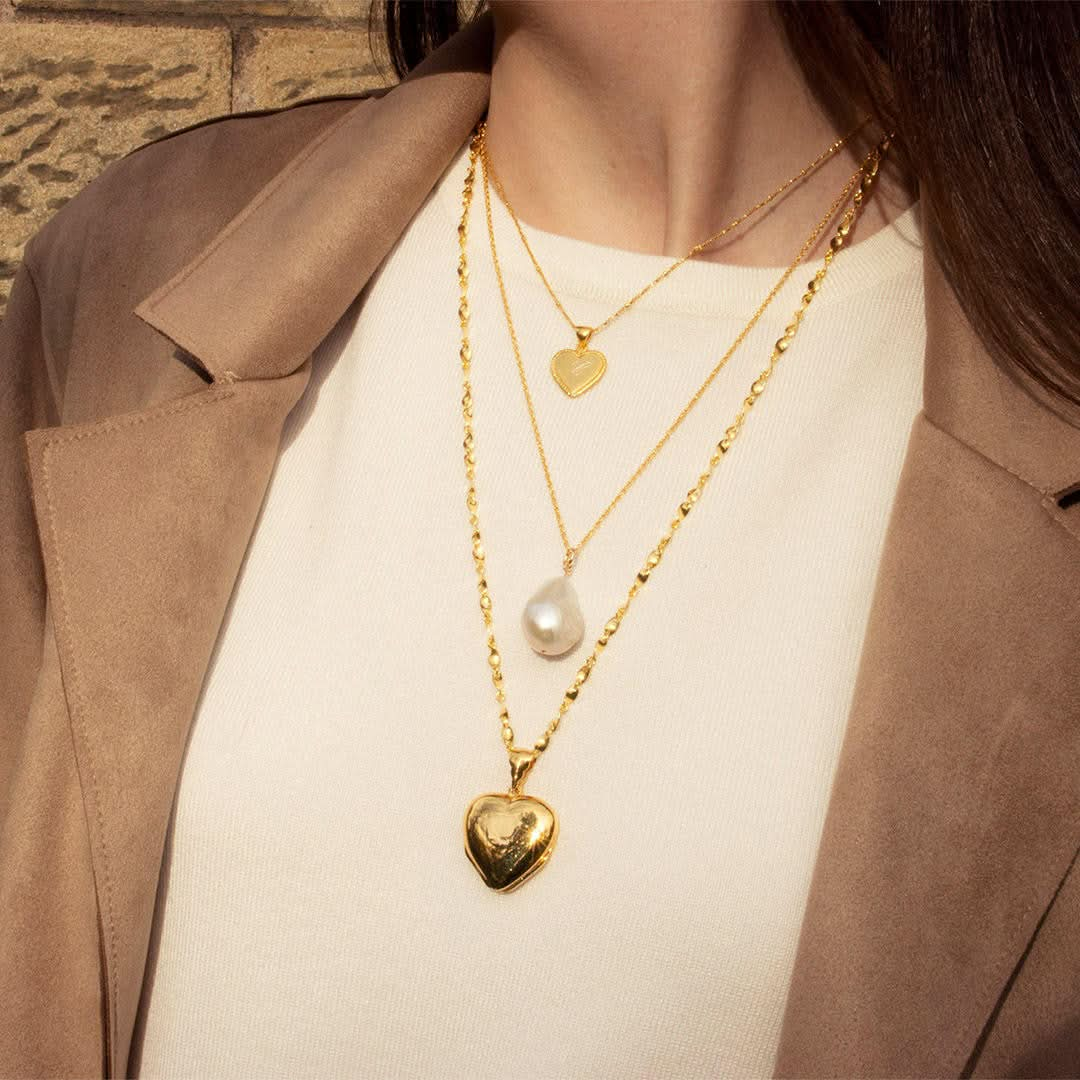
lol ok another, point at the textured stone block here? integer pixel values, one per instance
(305, 9)
(74, 96)
(281, 67)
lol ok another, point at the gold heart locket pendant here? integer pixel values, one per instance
(509, 836)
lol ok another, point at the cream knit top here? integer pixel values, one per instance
(318, 915)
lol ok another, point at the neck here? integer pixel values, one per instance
(648, 126)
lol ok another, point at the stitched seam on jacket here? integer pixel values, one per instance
(115, 423)
(76, 679)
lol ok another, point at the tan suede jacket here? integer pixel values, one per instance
(160, 329)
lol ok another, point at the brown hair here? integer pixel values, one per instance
(984, 97)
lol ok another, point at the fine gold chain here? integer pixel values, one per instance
(586, 333)
(521, 760)
(571, 550)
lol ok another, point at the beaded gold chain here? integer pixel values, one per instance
(509, 836)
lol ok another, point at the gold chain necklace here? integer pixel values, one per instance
(580, 368)
(510, 836)
(552, 621)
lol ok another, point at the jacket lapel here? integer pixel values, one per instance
(143, 520)
(954, 811)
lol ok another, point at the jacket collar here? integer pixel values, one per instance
(331, 215)
(954, 811)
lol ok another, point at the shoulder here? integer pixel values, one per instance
(196, 177)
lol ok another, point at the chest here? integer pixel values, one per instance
(316, 837)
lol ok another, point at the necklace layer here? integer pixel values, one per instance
(509, 835)
(578, 369)
(552, 619)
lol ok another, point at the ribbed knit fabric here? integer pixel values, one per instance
(318, 915)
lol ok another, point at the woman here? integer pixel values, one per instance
(816, 799)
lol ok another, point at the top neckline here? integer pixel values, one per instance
(586, 270)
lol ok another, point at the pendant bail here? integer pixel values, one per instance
(584, 335)
(568, 562)
(521, 761)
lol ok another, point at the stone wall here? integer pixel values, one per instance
(84, 81)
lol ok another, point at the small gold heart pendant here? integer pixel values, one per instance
(509, 837)
(578, 370)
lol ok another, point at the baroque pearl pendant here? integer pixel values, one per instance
(552, 618)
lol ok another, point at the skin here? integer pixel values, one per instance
(649, 124)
